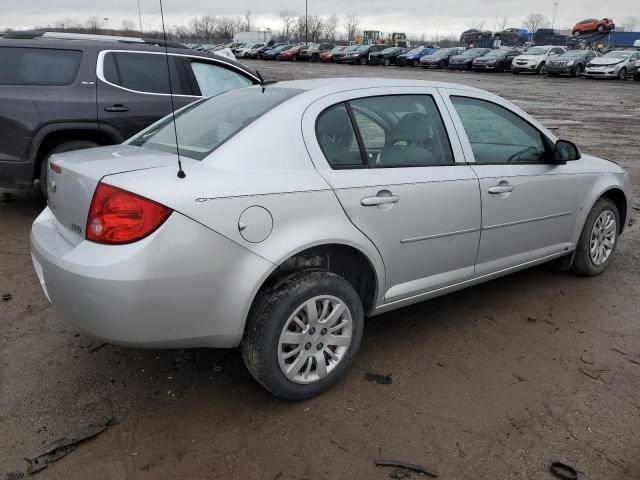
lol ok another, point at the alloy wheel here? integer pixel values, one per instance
(315, 339)
(603, 237)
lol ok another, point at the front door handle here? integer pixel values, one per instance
(502, 188)
(118, 107)
(379, 200)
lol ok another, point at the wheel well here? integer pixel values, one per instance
(618, 197)
(348, 262)
(54, 139)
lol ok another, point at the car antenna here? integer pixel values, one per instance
(181, 173)
(263, 82)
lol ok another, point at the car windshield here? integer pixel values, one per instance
(363, 48)
(496, 53)
(415, 50)
(441, 53)
(473, 52)
(537, 51)
(617, 54)
(388, 50)
(574, 54)
(205, 125)
(338, 49)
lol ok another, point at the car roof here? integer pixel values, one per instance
(98, 45)
(325, 86)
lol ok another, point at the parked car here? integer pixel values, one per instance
(268, 49)
(512, 36)
(496, 60)
(572, 63)
(476, 38)
(535, 59)
(615, 64)
(312, 52)
(340, 55)
(274, 52)
(592, 25)
(388, 56)
(59, 95)
(328, 55)
(440, 58)
(464, 61)
(290, 54)
(286, 258)
(361, 54)
(413, 56)
(249, 49)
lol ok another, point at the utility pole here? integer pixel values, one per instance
(496, 24)
(306, 22)
(140, 18)
(555, 9)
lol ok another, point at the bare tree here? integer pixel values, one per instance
(316, 27)
(477, 24)
(330, 27)
(227, 27)
(288, 18)
(204, 27)
(66, 24)
(128, 26)
(534, 21)
(630, 23)
(351, 25)
(301, 27)
(93, 24)
(247, 21)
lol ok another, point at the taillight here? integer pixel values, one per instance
(117, 216)
(55, 168)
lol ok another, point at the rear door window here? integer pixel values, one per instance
(213, 79)
(145, 72)
(38, 66)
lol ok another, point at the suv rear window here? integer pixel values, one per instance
(205, 125)
(144, 72)
(38, 66)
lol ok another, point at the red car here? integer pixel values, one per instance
(292, 54)
(592, 25)
(327, 56)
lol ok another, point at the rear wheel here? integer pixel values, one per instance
(598, 239)
(302, 337)
(63, 147)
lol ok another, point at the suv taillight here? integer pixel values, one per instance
(117, 216)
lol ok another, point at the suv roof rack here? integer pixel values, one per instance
(31, 34)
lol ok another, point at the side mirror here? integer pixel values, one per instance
(565, 151)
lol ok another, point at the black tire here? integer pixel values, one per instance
(622, 74)
(636, 77)
(416, 63)
(385, 62)
(363, 61)
(269, 314)
(442, 64)
(541, 70)
(63, 147)
(582, 262)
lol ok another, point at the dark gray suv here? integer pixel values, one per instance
(59, 95)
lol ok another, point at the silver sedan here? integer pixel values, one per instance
(278, 217)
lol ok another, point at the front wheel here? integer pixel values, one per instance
(541, 69)
(622, 74)
(385, 62)
(302, 337)
(416, 63)
(598, 239)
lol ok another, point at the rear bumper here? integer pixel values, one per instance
(183, 286)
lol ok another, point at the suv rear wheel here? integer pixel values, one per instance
(302, 336)
(62, 147)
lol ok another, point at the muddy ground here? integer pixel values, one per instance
(493, 382)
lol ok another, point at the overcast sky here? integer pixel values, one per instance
(411, 16)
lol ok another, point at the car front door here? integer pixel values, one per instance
(529, 204)
(397, 168)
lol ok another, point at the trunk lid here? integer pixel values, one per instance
(70, 189)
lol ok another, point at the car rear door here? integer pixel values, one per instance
(529, 204)
(133, 88)
(394, 161)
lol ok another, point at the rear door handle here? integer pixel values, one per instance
(118, 107)
(379, 200)
(500, 189)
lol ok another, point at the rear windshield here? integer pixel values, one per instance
(205, 125)
(38, 66)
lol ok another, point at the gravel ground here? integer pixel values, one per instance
(492, 382)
